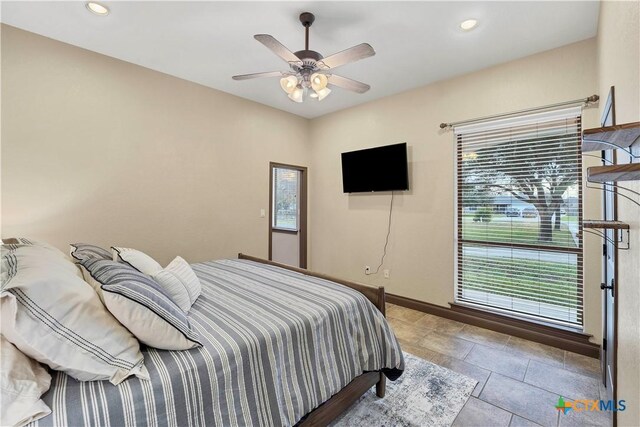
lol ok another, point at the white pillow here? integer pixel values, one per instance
(22, 382)
(174, 287)
(180, 271)
(54, 316)
(23, 241)
(177, 279)
(137, 259)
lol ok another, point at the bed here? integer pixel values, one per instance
(281, 346)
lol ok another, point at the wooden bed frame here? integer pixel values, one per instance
(341, 401)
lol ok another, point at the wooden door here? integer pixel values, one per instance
(287, 214)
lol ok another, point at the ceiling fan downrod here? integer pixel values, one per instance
(306, 18)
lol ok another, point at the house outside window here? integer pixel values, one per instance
(519, 215)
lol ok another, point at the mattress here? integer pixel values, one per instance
(276, 345)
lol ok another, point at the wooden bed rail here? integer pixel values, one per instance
(374, 294)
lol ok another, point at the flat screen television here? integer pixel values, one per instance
(375, 169)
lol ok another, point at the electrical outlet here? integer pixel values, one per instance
(367, 269)
(386, 273)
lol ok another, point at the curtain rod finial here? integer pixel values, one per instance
(443, 125)
(593, 98)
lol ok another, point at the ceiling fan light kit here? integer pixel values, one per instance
(288, 84)
(310, 72)
(297, 95)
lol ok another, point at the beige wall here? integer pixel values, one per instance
(619, 66)
(349, 230)
(99, 150)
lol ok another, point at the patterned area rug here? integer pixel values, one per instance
(425, 395)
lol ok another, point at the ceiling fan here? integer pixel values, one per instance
(311, 73)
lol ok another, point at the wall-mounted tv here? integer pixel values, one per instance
(375, 169)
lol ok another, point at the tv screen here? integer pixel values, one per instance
(375, 169)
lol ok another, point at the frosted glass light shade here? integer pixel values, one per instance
(318, 81)
(322, 93)
(297, 94)
(288, 84)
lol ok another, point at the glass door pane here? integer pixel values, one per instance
(285, 198)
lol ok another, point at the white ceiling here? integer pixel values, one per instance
(416, 43)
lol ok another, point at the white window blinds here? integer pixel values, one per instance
(519, 214)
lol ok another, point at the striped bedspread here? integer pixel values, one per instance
(276, 345)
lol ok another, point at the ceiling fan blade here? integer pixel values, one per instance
(349, 84)
(259, 75)
(278, 48)
(355, 53)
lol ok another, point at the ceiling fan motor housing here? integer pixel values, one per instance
(309, 60)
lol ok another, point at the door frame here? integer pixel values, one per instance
(302, 205)
(608, 118)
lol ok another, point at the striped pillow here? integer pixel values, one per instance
(82, 251)
(177, 279)
(179, 274)
(54, 316)
(140, 304)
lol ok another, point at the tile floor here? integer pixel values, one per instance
(519, 381)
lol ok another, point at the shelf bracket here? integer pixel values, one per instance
(620, 237)
(613, 146)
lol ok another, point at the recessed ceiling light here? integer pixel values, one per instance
(97, 8)
(469, 24)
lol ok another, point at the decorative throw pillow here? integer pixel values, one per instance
(81, 251)
(181, 269)
(54, 316)
(141, 305)
(136, 259)
(177, 279)
(22, 382)
(174, 288)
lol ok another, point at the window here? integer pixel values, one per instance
(285, 198)
(519, 216)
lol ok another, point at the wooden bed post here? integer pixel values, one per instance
(381, 303)
(381, 385)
